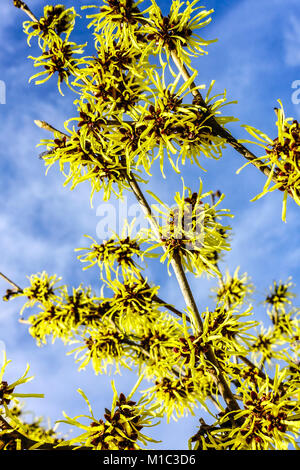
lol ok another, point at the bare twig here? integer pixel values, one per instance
(18, 289)
(25, 8)
(195, 317)
(260, 373)
(218, 377)
(168, 306)
(48, 127)
(216, 127)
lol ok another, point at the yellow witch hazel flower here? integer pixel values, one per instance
(41, 290)
(156, 346)
(168, 98)
(165, 117)
(270, 418)
(282, 158)
(265, 346)
(279, 298)
(121, 14)
(107, 254)
(133, 304)
(80, 161)
(104, 347)
(58, 54)
(7, 393)
(197, 136)
(180, 129)
(118, 253)
(225, 331)
(280, 295)
(179, 396)
(287, 330)
(124, 49)
(228, 332)
(121, 427)
(175, 32)
(109, 86)
(122, 55)
(59, 58)
(35, 430)
(66, 314)
(233, 289)
(57, 20)
(192, 229)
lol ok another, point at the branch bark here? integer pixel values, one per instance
(25, 8)
(216, 127)
(15, 286)
(186, 291)
(183, 283)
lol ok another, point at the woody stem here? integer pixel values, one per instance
(216, 373)
(18, 289)
(25, 8)
(215, 370)
(216, 127)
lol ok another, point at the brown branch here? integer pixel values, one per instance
(168, 306)
(25, 8)
(260, 373)
(195, 319)
(134, 186)
(18, 289)
(215, 370)
(216, 127)
(47, 127)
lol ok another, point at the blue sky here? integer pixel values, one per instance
(256, 59)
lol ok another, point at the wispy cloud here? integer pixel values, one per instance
(292, 40)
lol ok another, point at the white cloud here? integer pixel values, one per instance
(292, 41)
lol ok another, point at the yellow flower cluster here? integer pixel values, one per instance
(282, 158)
